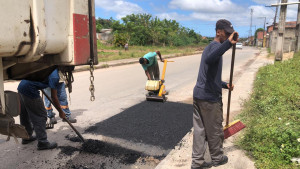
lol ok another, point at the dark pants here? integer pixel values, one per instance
(207, 122)
(34, 116)
(154, 71)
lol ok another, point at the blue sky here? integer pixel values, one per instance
(200, 15)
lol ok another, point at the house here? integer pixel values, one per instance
(289, 43)
(105, 35)
(260, 39)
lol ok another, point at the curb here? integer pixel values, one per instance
(103, 65)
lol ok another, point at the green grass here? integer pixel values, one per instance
(109, 52)
(272, 116)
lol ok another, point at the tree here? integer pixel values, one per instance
(143, 29)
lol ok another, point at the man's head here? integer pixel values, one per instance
(223, 30)
(143, 61)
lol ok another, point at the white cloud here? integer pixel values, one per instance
(266, 2)
(173, 16)
(213, 10)
(211, 6)
(270, 2)
(122, 8)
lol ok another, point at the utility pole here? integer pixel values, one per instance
(262, 45)
(250, 32)
(281, 30)
(264, 33)
(275, 17)
(298, 30)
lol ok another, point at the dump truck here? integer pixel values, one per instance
(36, 36)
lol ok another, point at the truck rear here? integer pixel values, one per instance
(36, 36)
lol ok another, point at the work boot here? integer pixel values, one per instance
(53, 120)
(71, 119)
(27, 141)
(203, 166)
(46, 145)
(222, 162)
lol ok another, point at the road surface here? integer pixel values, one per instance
(131, 132)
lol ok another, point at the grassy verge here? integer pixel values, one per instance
(108, 53)
(272, 116)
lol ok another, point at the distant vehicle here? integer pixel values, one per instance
(239, 45)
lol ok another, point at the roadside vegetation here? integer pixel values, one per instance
(109, 52)
(143, 34)
(272, 116)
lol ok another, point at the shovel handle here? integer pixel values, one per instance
(230, 83)
(78, 134)
(71, 125)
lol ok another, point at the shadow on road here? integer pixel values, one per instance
(153, 123)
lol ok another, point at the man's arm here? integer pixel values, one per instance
(57, 104)
(159, 54)
(218, 51)
(148, 75)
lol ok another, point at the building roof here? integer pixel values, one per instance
(291, 24)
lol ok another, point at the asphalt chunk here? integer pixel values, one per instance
(153, 123)
(73, 138)
(68, 150)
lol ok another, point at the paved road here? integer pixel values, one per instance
(133, 133)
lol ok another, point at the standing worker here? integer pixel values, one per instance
(150, 65)
(33, 113)
(62, 97)
(207, 96)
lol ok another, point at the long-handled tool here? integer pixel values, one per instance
(78, 134)
(236, 126)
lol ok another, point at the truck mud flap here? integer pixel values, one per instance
(9, 128)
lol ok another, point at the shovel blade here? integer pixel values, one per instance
(9, 128)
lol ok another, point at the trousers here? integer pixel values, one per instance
(33, 116)
(63, 100)
(208, 130)
(154, 71)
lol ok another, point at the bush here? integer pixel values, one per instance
(272, 116)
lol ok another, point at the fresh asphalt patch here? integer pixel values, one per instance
(153, 123)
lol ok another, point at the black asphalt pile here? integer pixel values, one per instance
(153, 123)
(73, 138)
(67, 150)
(126, 156)
(123, 155)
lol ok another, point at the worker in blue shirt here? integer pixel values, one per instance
(62, 97)
(33, 113)
(150, 65)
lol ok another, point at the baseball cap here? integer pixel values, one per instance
(225, 25)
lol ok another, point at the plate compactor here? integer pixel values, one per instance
(156, 88)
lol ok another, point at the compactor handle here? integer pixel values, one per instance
(164, 69)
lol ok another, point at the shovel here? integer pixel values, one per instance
(78, 134)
